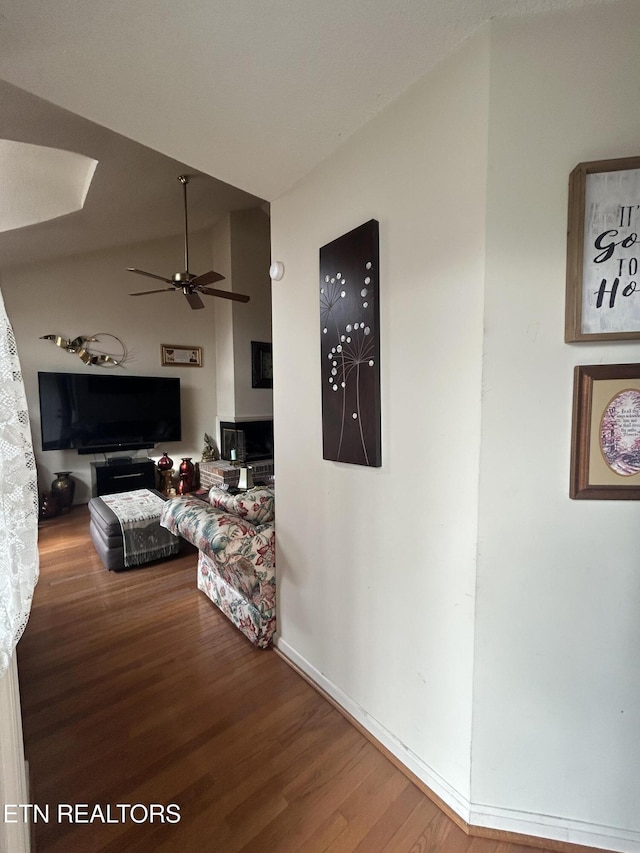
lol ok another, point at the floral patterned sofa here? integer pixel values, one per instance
(235, 537)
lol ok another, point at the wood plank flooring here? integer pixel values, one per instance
(137, 690)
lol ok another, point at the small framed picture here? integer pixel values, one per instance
(181, 356)
(605, 441)
(261, 365)
(603, 251)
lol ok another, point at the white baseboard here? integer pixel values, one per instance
(440, 787)
(475, 815)
(555, 828)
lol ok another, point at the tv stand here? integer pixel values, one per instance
(109, 478)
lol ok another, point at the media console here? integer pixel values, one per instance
(108, 478)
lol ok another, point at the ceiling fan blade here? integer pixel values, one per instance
(225, 294)
(208, 278)
(144, 292)
(149, 274)
(194, 300)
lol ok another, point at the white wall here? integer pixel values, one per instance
(557, 670)
(241, 251)
(84, 294)
(226, 392)
(376, 567)
(384, 577)
(250, 251)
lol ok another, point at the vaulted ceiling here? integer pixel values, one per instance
(134, 195)
(253, 92)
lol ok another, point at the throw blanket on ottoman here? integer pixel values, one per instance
(139, 513)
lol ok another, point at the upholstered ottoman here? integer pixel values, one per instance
(136, 515)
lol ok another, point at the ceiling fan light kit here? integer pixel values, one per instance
(189, 284)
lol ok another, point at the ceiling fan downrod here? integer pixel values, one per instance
(184, 180)
(189, 284)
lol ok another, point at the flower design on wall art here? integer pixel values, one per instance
(350, 347)
(620, 433)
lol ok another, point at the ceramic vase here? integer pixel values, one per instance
(187, 475)
(166, 463)
(63, 488)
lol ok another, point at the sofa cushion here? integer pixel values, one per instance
(221, 499)
(255, 505)
(242, 552)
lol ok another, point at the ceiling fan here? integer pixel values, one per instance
(191, 285)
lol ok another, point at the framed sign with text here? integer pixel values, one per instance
(181, 356)
(603, 251)
(605, 441)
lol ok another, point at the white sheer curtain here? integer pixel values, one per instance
(18, 499)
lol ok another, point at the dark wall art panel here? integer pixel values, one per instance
(349, 323)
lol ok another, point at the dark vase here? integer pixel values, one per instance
(187, 475)
(166, 463)
(63, 488)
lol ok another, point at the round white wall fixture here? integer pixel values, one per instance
(276, 270)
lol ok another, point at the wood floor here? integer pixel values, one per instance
(136, 690)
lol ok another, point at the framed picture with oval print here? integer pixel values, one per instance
(605, 443)
(603, 251)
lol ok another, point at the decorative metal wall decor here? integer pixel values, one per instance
(82, 346)
(350, 347)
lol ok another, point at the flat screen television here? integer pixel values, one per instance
(98, 413)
